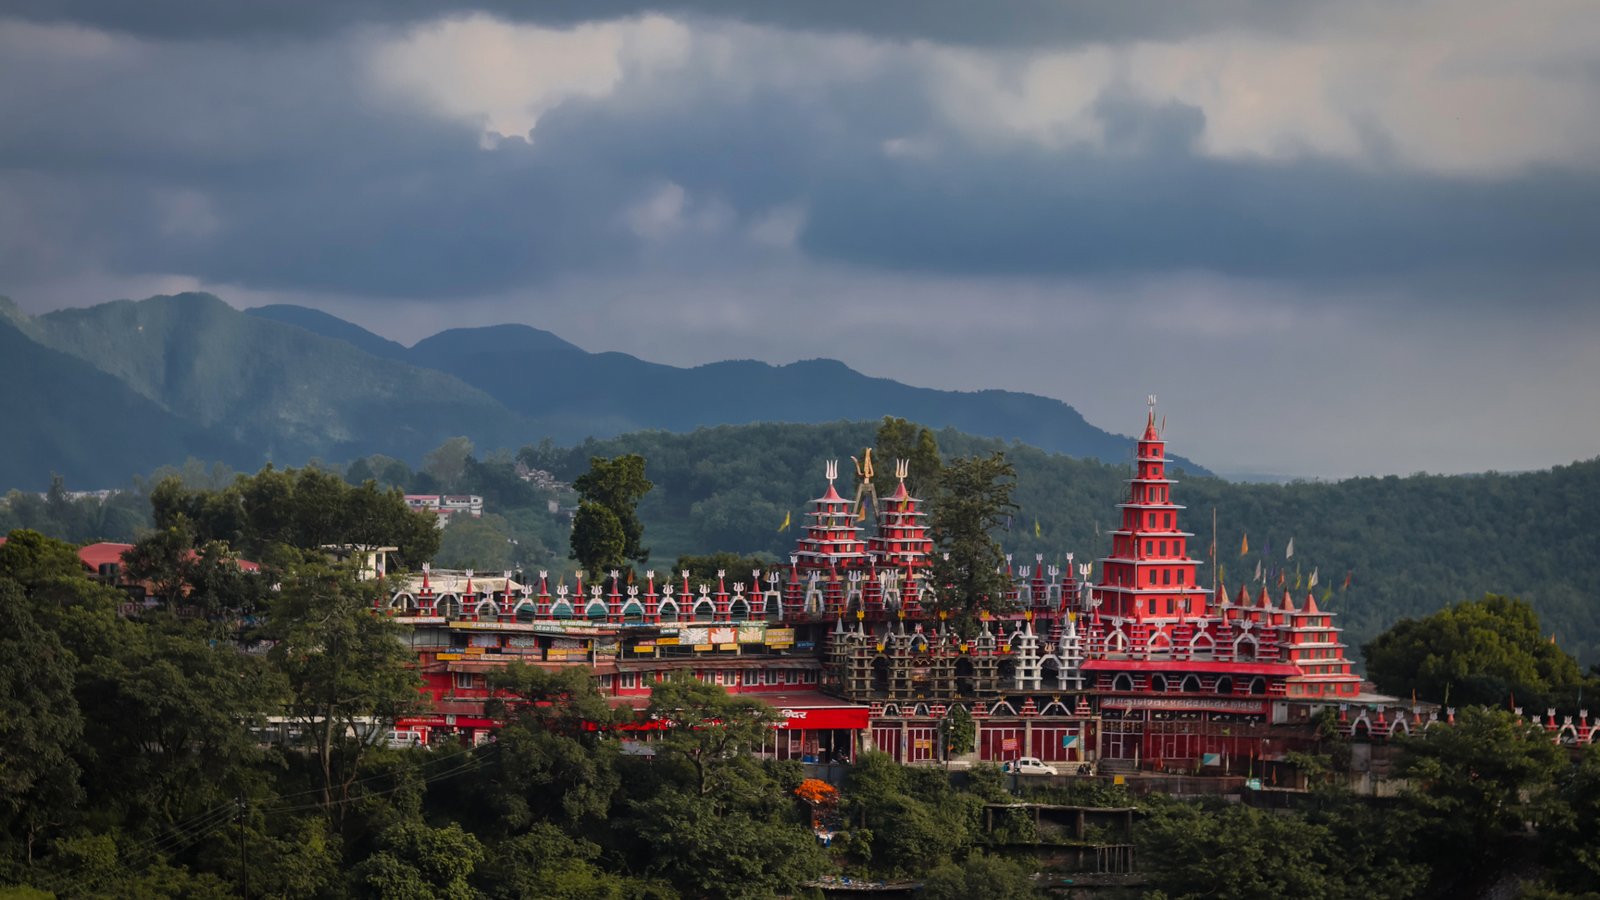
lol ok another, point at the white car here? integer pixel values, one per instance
(1030, 765)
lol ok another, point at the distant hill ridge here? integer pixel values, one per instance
(569, 393)
(113, 390)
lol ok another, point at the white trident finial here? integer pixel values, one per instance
(1150, 401)
(831, 469)
(902, 468)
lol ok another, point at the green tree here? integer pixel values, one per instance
(39, 725)
(900, 439)
(598, 543)
(480, 544)
(447, 463)
(959, 732)
(974, 500)
(710, 730)
(615, 485)
(980, 875)
(1481, 652)
(419, 862)
(1479, 782)
(348, 675)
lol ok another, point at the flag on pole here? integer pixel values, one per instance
(1283, 578)
(1313, 582)
(1288, 552)
(1258, 571)
(1036, 527)
(1297, 578)
(1244, 546)
(787, 517)
(1349, 574)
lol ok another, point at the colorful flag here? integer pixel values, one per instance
(1297, 579)
(786, 520)
(1258, 571)
(1244, 546)
(1036, 528)
(1288, 552)
(1348, 575)
(1313, 582)
(1283, 578)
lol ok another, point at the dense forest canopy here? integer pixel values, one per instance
(1408, 545)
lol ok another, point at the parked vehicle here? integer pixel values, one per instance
(1029, 765)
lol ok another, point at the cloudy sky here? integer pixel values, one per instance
(1335, 238)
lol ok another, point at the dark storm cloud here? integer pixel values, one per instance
(956, 22)
(270, 167)
(1157, 206)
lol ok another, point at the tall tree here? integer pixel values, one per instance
(348, 674)
(974, 501)
(39, 724)
(900, 439)
(447, 463)
(609, 495)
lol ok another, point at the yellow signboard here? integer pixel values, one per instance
(448, 656)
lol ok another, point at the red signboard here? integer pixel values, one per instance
(1008, 744)
(844, 717)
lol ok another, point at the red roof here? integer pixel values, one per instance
(110, 553)
(104, 553)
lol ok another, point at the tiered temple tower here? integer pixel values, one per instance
(902, 541)
(832, 539)
(1149, 584)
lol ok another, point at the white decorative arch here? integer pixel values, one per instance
(668, 610)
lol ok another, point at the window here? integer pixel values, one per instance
(1166, 576)
(465, 681)
(773, 676)
(752, 677)
(630, 680)
(606, 681)
(791, 677)
(1163, 546)
(1168, 518)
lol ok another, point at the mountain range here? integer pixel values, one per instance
(113, 390)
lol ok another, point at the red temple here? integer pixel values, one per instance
(1147, 665)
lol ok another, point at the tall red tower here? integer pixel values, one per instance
(902, 540)
(1149, 581)
(832, 538)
